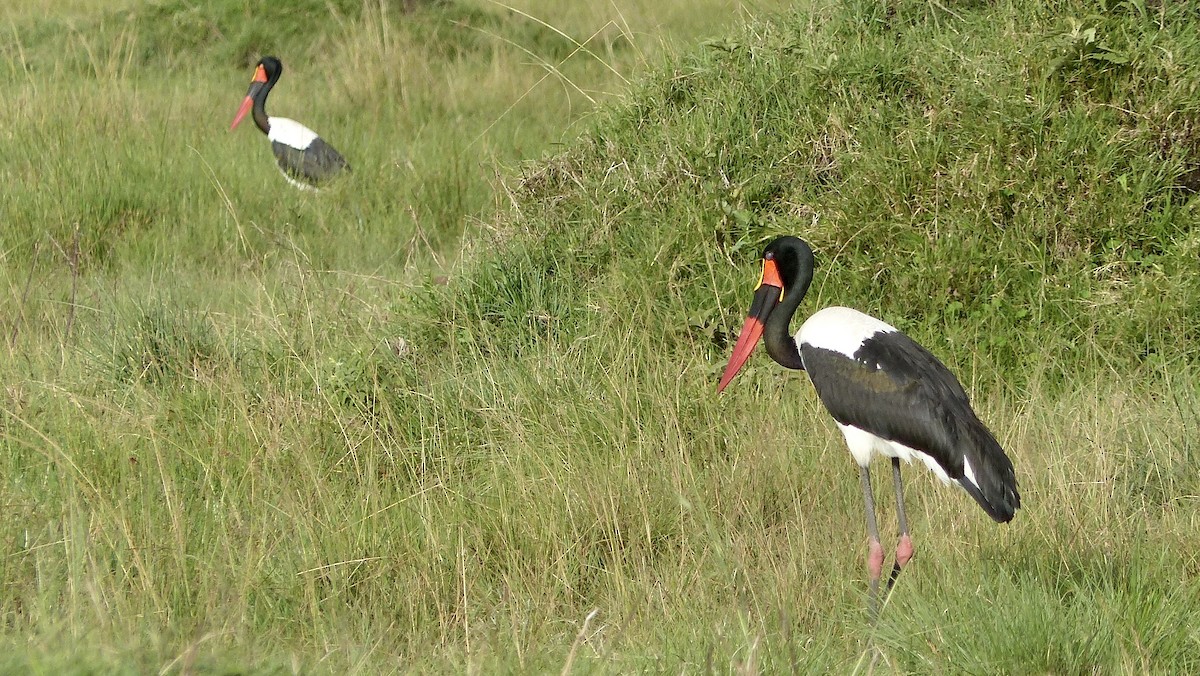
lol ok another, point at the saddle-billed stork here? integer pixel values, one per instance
(889, 395)
(305, 159)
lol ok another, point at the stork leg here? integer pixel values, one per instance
(904, 549)
(875, 549)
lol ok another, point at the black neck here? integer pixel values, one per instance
(780, 344)
(260, 105)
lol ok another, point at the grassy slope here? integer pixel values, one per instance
(219, 459)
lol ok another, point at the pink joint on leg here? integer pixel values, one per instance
(875, 560)
(904, 551)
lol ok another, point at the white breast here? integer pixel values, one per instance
(290, 133)
(840, 329)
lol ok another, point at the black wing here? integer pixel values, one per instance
(897, 390)
(317, 163)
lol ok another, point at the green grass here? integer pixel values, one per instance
(456, 413)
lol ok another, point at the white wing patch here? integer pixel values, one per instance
(969, 473)
(290, 133)
(840, 329)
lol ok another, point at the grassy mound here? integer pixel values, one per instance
(1007, 183)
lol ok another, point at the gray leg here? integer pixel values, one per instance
(904, 550)
(875, 549)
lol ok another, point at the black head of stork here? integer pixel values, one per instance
(305, 159)
(888, 394)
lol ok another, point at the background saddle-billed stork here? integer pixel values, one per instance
(889, 396)
(305, 159)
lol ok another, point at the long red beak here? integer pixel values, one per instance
(260, 79)
(246, 106)
(766, 297)
(752, 331)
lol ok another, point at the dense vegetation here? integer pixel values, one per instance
(457, 412)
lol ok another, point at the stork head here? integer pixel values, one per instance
(787, 265)
(265, 75)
